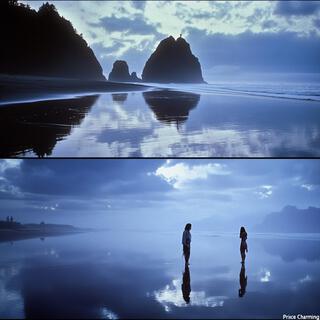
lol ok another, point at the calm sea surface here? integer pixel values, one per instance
(225, 120)
(128, 274)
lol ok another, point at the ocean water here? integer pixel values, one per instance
(285, 90)
(216, 120)
(132, 274)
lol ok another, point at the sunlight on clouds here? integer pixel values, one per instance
(266, 274)
(9, 163)
(5, 185)
(180, 174)
(264, 192)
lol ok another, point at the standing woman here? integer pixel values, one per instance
(186, 241)
(243, 245)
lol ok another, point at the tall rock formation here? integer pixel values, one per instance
(43, 43)
(174, 62)
(120, 73)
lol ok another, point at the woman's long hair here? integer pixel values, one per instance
(242, 229)
(187, 227)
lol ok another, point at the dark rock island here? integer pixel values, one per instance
(120, 73)
(43, 43)
(173, 62)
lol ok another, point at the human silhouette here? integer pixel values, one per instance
(243, 244)
(11, 219)
(243, 279)
(186, 287)
(186, 242)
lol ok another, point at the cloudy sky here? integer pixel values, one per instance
(155, 194)
(230, 38)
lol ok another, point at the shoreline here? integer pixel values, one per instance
(18, 232)
(25, 235)
(19, 89)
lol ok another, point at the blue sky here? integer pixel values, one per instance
(155, 194)
(249, 38)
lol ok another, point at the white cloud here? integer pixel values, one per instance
(264, 192)
(309, 187)
(8, 164)
(266, 274)
(48, 207)
(180, 174)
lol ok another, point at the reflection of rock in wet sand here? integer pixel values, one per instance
(171, 106)
(119, 97)
(292, 249)
(37, 126)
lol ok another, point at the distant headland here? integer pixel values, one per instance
(292, 219)
(11, 230)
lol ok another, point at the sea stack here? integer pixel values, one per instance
(120, 73)
(173, 62)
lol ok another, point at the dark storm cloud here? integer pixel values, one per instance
(267, 52)
(130, 26)
(85, 178)
(256, 16)
(139, 4)
(90, 191)
(297, 8)
(268, 24)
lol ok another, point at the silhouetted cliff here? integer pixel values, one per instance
(173, 61)
(43, 43)
(292, 219)
(120, 73)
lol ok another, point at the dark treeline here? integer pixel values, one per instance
(43, 43)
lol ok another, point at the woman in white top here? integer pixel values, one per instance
(186, 241)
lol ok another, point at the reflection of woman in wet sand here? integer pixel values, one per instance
(243, 245)
(186, 287)
(243, 281)
(186, 241)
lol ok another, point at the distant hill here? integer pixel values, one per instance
(292, 219)
(173, 62)
(43, 43)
